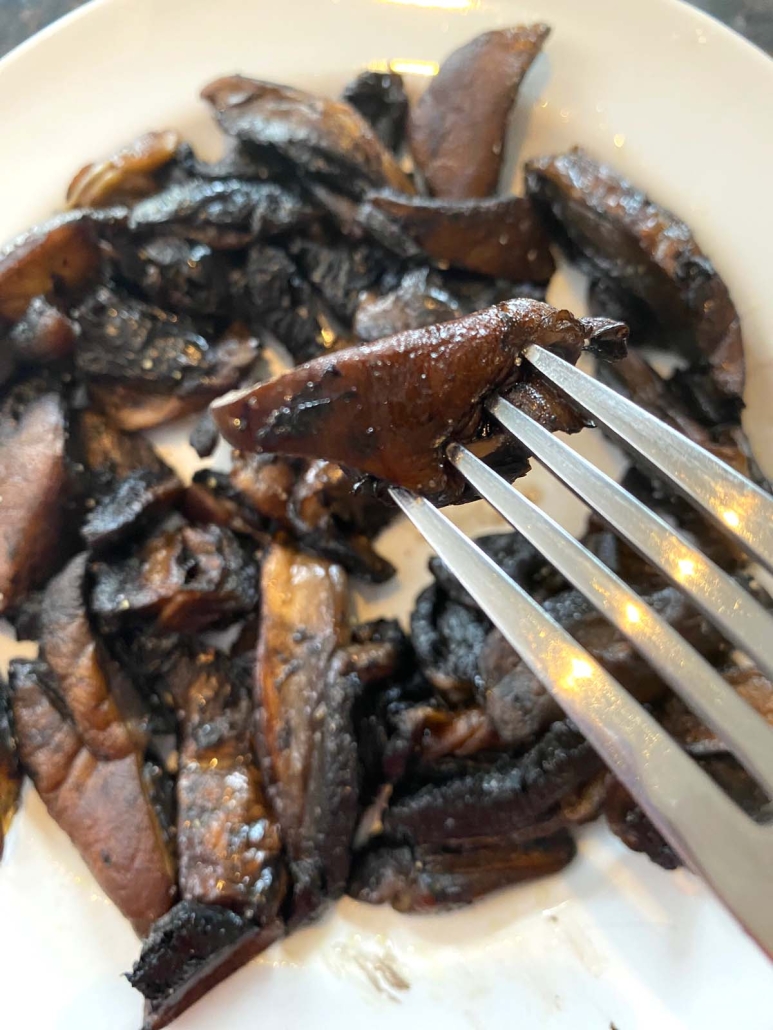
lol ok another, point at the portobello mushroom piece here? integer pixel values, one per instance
(301, 725)
(229, 846)
(448, 638)
(341, 271)
(273, 293)
(61, 257)
(390, 409)
(432, 732)
(502, 237)
(457, 129)
(520, 706)
(309, 675)
(223, 214)
(615, 231)
(128, 483)
(189, 951)
(431, 879)
(127, 175)
(381, 99)
(420, 300)
(176, 274)
(35, 490)
(512, 552)
(182, 579)
(100, 800)
(10, 772)
(515, 797)
(322, 139)
(144, 365)
(43, 334)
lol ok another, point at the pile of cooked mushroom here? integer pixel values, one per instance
(223, 788)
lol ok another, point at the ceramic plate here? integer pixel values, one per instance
(682, 106)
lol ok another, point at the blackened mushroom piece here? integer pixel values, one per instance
(177, 274)
(419, 300)
(225, 214)
(100, 801)
(228, 844)
(43, 334)
(520, 706)
(125, 176)
(10, 773)
(34, 490)
(512, 552)
(457, 129)
(300, 725)
(390, 409)
(323, 139)
(617, 232)
(448, 638)
(430, 879)
(380, 98)
(60, 255)
(188, 952)
(514, 798)
(184, 578)
(128, 483)
(145, 365)
(501, 237)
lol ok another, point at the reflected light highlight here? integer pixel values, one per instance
(731, 518)
(405, 66)
(686, 566)
(579, 670)
(632, 613)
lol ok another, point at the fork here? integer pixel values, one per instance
(714, 837)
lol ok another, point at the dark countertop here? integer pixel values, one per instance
(21, 18)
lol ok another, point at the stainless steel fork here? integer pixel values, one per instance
(708, 830)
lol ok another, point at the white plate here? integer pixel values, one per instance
(682, 106)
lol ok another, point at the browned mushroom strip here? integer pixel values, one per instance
(457, 129)
(325, 139)
(391, 408)
(647, 252)
(501, 236)
(126, 175)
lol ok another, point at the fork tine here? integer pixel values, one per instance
(739, 507)
(680, 665)
(737, 614)
(712, 834)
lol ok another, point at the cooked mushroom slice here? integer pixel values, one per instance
(391, 408)
(342, 271)
(99, 800)
(10, 773)
(448, 637)
(420, 300)
(427, 879)
(324, 139)
(277, 296)
(229, 847)
(457, 129)
(513, 798)
(501, 237)
(60, 256)
(617, 232)
(42, 334)
(145, 365)
(128, 483)
(177, 274)
(126, 175)
(512, 552)
(520, 706)
(188, 952)
(34, 490)
(381, 99)
(628, 822)
(432, 732)
(184, 578)
(225, 214)
(301, 711)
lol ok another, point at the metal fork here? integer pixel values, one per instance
(708, 830)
